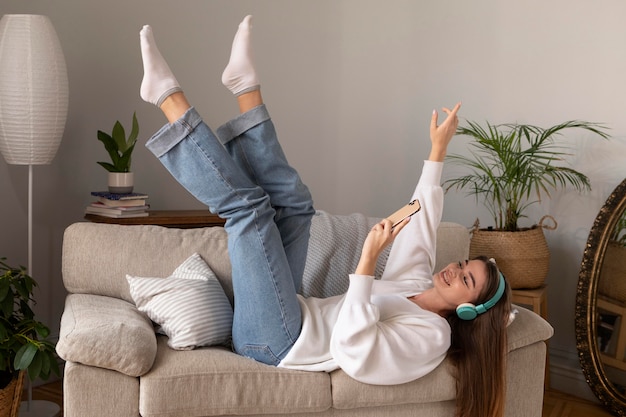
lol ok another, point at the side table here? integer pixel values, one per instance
(181, 219)
(537, 300)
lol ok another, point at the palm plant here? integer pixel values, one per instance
(513, 165)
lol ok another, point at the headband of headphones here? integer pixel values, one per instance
(468, 311)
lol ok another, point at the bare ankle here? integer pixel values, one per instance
(174, 106)
(249, 100)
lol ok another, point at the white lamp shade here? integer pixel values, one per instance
(34, 90)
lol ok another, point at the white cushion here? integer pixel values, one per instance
(190, 306)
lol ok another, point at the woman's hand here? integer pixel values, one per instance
(441, 135)
(379, 237)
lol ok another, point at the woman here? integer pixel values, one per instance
(387, 331)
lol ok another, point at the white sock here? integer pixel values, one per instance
(158, 80)
(239, 76)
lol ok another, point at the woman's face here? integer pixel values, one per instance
(461, 282)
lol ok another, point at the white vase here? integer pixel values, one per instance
(121, 182)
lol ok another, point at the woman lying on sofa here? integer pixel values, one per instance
(387, 331)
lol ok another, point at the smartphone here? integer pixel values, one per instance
(406, 211)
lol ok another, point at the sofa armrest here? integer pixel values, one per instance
(527, 328)
(108, 333)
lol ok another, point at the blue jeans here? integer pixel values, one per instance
(242, 175)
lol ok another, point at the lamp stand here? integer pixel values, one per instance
(33, 408)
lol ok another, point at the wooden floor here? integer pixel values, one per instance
(555, 404)
(49, 392)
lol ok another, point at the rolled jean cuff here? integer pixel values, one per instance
(171, 134)
(242, 123)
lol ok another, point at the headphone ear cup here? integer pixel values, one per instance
(466, 311)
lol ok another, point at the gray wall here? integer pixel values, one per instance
(351, 85)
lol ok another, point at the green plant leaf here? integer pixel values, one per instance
(34, 369)
(4, 288)
(7, 306)
(125, 158)
(25, 309)
(42, 330)
(109, 143)
(119, 136)
(45, 364)
(134, 133)
(24, 356)
(23, 287)
(109, 167)
(111, 147)
(54, 365)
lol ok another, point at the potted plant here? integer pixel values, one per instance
(23, 344)
(120, 149)
(511, 167)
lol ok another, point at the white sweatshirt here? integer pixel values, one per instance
(374, 332)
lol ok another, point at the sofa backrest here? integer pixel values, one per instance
(335, 248)
(97, 257)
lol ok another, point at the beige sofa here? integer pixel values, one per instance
(117, 365)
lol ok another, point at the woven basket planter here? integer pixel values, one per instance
(612, 283)
(11, 397)
(522, 256)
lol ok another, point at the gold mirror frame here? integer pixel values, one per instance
(586, 302)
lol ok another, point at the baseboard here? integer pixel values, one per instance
(566, 374)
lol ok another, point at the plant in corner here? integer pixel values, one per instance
(511, 167)
(23, 344)
(120, 149)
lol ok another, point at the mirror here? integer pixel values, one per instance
(601, 304)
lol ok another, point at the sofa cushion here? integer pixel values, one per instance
(189, 306)
(215, 381)
(107, 333)
(438, 385)
(334, 251)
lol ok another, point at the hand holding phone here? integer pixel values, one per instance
(407, 211)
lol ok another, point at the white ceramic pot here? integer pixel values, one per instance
(121, 182)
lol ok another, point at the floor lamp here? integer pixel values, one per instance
(33, 110)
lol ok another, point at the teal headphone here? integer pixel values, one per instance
(468, 311)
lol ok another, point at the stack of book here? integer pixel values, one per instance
(118, 205)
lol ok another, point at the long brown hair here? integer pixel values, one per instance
(479, 350)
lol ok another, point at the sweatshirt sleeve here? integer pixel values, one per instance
(405, 346)
(413, 252)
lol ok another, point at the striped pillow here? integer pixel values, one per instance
(190, 306)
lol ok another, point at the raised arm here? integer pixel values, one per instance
(413, 253)
(361, 342)
(382, 234)
(441, 135)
